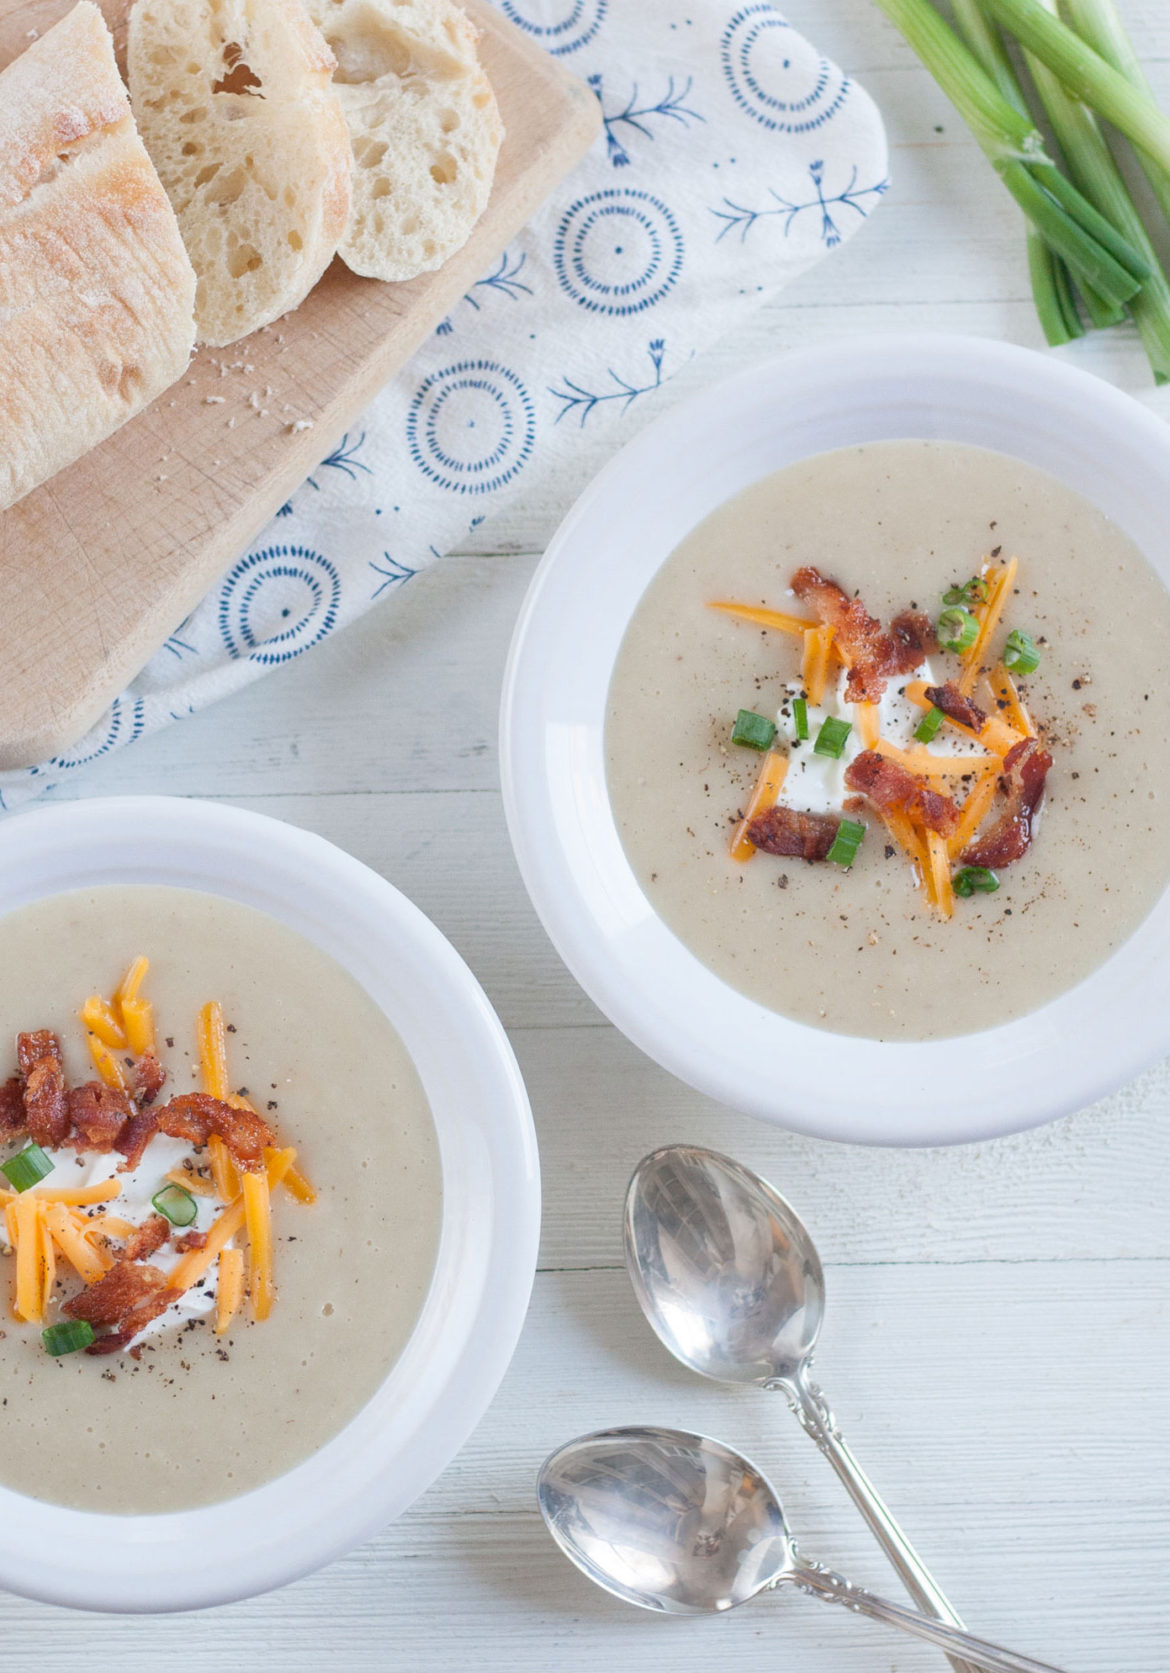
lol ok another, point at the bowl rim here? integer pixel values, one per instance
(438, 1389)
(557, 808)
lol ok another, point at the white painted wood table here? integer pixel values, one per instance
(997, 1344)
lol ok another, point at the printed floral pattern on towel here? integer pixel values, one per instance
(732, 157)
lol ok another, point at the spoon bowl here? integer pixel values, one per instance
(722, 1266)
(666, 1520)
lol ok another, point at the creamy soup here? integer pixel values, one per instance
(857, 951)
(197, 1417)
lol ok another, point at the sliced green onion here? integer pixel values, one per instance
(957, 630)
(928, 725)
(974, 880)
(68, 1336)
(1020, 655)
(800, 716)
(973, 591)
(846, 843)
(27, 1167)
(831, 737)
(753, 730)
(175, 1204)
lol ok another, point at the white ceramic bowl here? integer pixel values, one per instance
(1032, 406)
(442, 1384)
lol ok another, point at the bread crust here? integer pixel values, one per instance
(96, 292)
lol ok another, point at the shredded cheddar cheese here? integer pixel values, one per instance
(296, 1184)
(974, 811)
(940, 873)
(100, 1019)
(213, 1050)
(195, 1183)
(999, 584)
(79, 1196)
(88, 1262)
(223, 1169)
(229, 1288)
(258, 1219)
(1004, 690)
(867, 723)
(814, 662)
(938, 770)
(29, 1286)
(131, 982)
(138, 1018)
(764, 618)
(105, 1063)
(108, 1225)
(48, 1262)
(773, 771)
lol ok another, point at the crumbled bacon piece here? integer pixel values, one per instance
(147, 1309)
(98, 1113)
(113, 1342)
(108, 1302)
(958, 707)
(1025, 769)
(875, 654)
(913, 634)
(191, 1240)
(147, 1079)
(46, 1106)
(134, 1138)
(796, 835)
(12, 1120)
(894, 788)
(196, 1115)
(34, 1047)
(149, 1236)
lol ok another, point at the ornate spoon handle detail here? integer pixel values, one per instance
(816, 1419)
(821, 1582)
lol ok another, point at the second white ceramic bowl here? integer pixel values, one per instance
(1031, 406)
(440, 1387)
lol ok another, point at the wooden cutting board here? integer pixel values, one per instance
(100, 564)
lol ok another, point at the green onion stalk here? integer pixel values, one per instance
(1052, 291)
(1097, 254)
(1086, 75)
(1093, 169)
(1098, 23)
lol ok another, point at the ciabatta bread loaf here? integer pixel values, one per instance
(96, 292)
(234, 101)
(425, 128)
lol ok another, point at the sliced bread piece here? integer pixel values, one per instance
(425, 127)
(234, 101)
(96, 292)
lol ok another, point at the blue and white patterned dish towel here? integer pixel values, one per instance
(733, 157)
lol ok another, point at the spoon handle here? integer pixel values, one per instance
(816, 1419)
(821, 1582)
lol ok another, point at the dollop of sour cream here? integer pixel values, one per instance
(816, 783)
(73, 1169)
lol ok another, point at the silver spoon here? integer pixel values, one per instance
(679, 1523)
(729, 1278)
